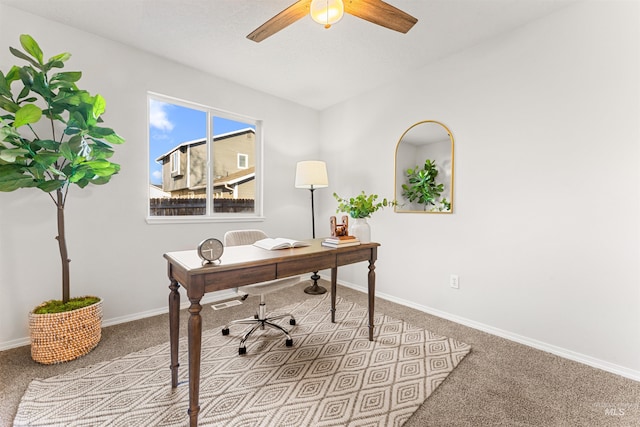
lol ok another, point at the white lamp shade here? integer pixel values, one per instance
(311, 174)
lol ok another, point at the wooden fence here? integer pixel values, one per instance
(178, 206)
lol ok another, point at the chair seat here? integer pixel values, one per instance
(270, 286)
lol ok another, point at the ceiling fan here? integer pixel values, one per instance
(328, 12)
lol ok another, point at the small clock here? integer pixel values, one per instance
(210, 250)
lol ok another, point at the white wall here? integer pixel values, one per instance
(545, 234)
(115, 253)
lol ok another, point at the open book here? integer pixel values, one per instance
(279, 243)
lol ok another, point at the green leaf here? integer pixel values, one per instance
(51, 185)
(103, 167)
(67, 152)
(52, 64)
(10, 155)
(61, 57)
(13, 74)
(114, 139)
(31, 46)
(21, 55)
(40, 86)
(99, 106)
(27, 75)
(27, 114)
(67, 76)
(8, 105)
(5, 89)
(13, 177)
(23, 93)
(47, 144)
(98, 132)
(77, 175)
(46, 159)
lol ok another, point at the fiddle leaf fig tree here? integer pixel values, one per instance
(51, 134)
(423, 188)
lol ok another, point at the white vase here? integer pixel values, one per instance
(360, 228)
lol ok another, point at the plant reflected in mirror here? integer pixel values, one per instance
(422, 187)
(424, 169)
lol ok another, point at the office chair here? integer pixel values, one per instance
(261, 319)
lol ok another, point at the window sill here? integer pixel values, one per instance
(153, 220)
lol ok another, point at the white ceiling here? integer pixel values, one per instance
(304, 62)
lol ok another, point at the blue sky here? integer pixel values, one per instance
(170, 125)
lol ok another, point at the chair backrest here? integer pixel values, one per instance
(243, 237)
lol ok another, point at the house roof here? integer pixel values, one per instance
(236, 177)
(203, 140)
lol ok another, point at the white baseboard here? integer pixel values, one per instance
(207, 299)
(549, 348)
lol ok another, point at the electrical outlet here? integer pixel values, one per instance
(454, 281)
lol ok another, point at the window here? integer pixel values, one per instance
(243, 161)
(175, 163)
(204, 164)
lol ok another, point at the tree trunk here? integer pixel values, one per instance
(62, 244)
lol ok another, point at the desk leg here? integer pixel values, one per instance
(174, 329)
(195, 348)
(334, 280)
(372, 295)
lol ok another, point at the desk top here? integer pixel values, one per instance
(235, 257)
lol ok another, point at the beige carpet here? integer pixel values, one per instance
(332, 376)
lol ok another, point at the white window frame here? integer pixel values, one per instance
(210, 215)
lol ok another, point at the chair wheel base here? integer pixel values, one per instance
(225, 331)
(289, 343)
(292, 322)
(242, 350)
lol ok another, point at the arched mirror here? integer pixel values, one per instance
(424, 169)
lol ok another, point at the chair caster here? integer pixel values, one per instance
(242, 350)
(289, 343)
(225, 331)
(292, 322)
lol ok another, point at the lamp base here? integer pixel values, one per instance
(315, 289)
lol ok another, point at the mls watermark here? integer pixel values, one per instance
(618, 409)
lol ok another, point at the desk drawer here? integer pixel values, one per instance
(354, 256)
(306, 265)
(245, 276)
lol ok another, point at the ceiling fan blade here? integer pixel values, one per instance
(282, 20)
(380, 13)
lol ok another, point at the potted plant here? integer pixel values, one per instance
(423, 189)
(360, 208)
(50, 138)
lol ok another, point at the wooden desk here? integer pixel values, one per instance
(245, 265)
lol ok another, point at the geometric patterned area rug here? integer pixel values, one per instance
(332, 376)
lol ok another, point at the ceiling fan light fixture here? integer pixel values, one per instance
(326, 12)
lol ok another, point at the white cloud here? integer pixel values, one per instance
(157, 174)
(158, 117)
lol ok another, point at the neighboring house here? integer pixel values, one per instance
(184, 168)
(155, 192)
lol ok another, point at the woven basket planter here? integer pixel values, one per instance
(60, 337)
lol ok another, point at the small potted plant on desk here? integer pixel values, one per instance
(50, 138)
(359, 209)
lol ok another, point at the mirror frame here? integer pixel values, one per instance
(400, 174)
